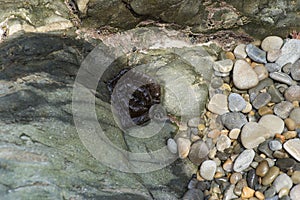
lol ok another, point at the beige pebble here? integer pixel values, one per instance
(270, 176)
(234, 133)
(296, 177)
(214, 134)
(290, 124)
(262, 168)
(183, 146)
(283, 192)
(227, 166)
(295, 104)
(235, 177)
(265, 110)
(289, 134)
(259, 195)
(229, 55)
(247, 192)
(201, 127)
(248, 108)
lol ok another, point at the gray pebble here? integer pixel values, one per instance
(285, 163)
(295, 192)
(198, 152)
(281, 77)
(295, 70)
(273, 55)
(287, 68)
(261, 100)
(216, 82)
(272, 67)
(233, 120)
(218, 104)
(273, 198)
(292, 93)
(295, 115)
(244, 160)
(275, 145)
(223, 142)
(276, 96)
(240, 51)
(264, 148)
(253, 92)
(283, 109)
(270, 192)
(292, 146)
(256, 54)
(261, 72)
(208, 169)
(236, 102)
(244, 76)
(290, 52)
(253, 134)
(282, 181)
(195, 194)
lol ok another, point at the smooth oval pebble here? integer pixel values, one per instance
(233, 120)
(253, 134)
(295, 192)
(256, 53)
(261, 72)
(283, 109)
(208, 169)
(292, 93)
(218, 104)
(272, 67)
(292, 146)
(282, 181)
(172, 146)
(262, 168)
(240, 51)
(270, 176)
(271, 43)
(281, 77)
(223, 142)
(198, 152)
(183, 147)
(261, 100)
(273, 123)
(236, 102)
(296, 177)
(275, 145)
(295, 115)
(244, 160)
(244, 77)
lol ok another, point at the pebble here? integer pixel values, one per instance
(236, 102)
(208, 169)
(223, 66)
(198, 153)
(227, 166)
(295, 115)
(253, 134)
(273, 55)
(262, 168)
(287, 68)
(230, 55)
(233, 120)
(271, 43)
(272, 67)
(234, 133)
(283, 194)
(247, 192)
(261, 72)
(261, 100)
(256, 54)
(296, 177)
(273, 123)
(235, 177)
(183, 147)
(216, 82)
(244, 77)
(194, 194)
(270, 192)
(223, 142)
(283, 109)
(270, 176)
(290, 52)
(293, 148)
(172, 146)
(244, 160)
(285, 163)
(295, 192)
(295, 70)
(229, 194)
(290, 135)
(252, 179)
(248, 108)
(275, 145)
(240, 51)
(264, 148)
(282, 181)
(281, 77)
(239, 187)
(259, 195)
(265, 110)
(218, 104)
(276, 96)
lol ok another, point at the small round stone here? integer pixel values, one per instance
(282, 181)
(216, 82)
(296, 177)
(183, 147)
(273, 123)
(261, 72)
(218, 104)
(227, 166)
(236, 102)
(223, 142)
(172, 146)
(247, 193)
(265, 110)
(283, 109)
(234, 133)
(262, 168)
(230, 55)
(233, 120)
(295, 192)
(273, 55)
(240, 51)
(290, 135)
(243, 160)
(244, 77)
(259, 195)
(208, 169)
(261, 100)
(271, 43)
(235, 177)
(270, 176)
(256, 53)
(198, 153)
(290, 124)
(275, 145)
(292, 93)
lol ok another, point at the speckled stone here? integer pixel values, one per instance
(282, 181)
(295, 192)
(261, 100)
(262, 168)
(271, 43)
(281, 77)
(273, 123)
(295, 70)
(253, 134)
(290, 52)
(243, 160)
(244, 77)
(261, 72)
(235, 177)
(240, 51)
(198, 152)
(293, 148)
(272, 67)
(256, 54)
(208, 169)
(223, 66)
(270, 176)
(275, 145)
(233, 120)
(223, 142)
(236, 102)
(283, 109)
(218, 104)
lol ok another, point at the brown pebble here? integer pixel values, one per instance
(289, 135)
(247, 193)
(218, 175)
(230, 55)
(259, 195)
(235, 177)
(280, 137)
(262, 168)
(270, 176)
(296, 177)
(265, 110)
(290, 124)
(227, 166)
(239, 186)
